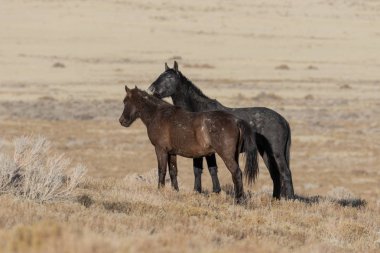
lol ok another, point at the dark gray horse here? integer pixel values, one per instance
(273, 137)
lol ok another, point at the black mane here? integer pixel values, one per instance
(192, 88)
(193, 99)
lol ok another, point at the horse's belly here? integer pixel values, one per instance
(191, 152)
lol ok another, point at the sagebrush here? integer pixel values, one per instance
(36, 173)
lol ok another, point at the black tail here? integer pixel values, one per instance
(248, 146)
(287, 148)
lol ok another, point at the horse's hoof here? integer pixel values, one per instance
(287, 196)
(241, 200)
(197, 191)
(216, 191)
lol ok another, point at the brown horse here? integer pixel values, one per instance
(174, 131)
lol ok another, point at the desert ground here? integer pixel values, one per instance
(63, 67)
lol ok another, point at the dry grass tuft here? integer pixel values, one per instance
(282, 67)
(58, 65)
(85, 200)
(35, 173)
(198, 66)
(267, 96)
(119, 207)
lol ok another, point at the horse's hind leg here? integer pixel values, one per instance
(287, 190)
(213, 169)
(172, 162)
(265, 150)
(274, 158)
(198, 168)
(237, 176)
(162, 160)
(273, 171)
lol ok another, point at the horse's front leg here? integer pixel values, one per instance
(162, 160)
(172, 162)
(198, 168)
(213, 169)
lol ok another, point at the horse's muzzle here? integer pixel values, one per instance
(122, 121)
(125, 122)
(150, 90)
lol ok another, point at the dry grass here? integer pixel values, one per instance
(131, 215)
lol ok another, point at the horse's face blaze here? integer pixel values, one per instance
(166, 84)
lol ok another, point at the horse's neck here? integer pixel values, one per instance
(191, 99)
(147, 110)
(180, 99)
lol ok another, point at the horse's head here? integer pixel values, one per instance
(167, 83)
(130, 113)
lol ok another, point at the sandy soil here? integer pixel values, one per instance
(63, 65)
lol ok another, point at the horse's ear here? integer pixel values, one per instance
(166, 66)
(128, 91)
(175, 66)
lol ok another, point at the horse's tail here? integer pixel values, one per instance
(288, 144)
(247, 144)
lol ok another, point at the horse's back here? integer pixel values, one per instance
(261, 119)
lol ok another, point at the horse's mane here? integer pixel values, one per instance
(192, 88)
(150, 98)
